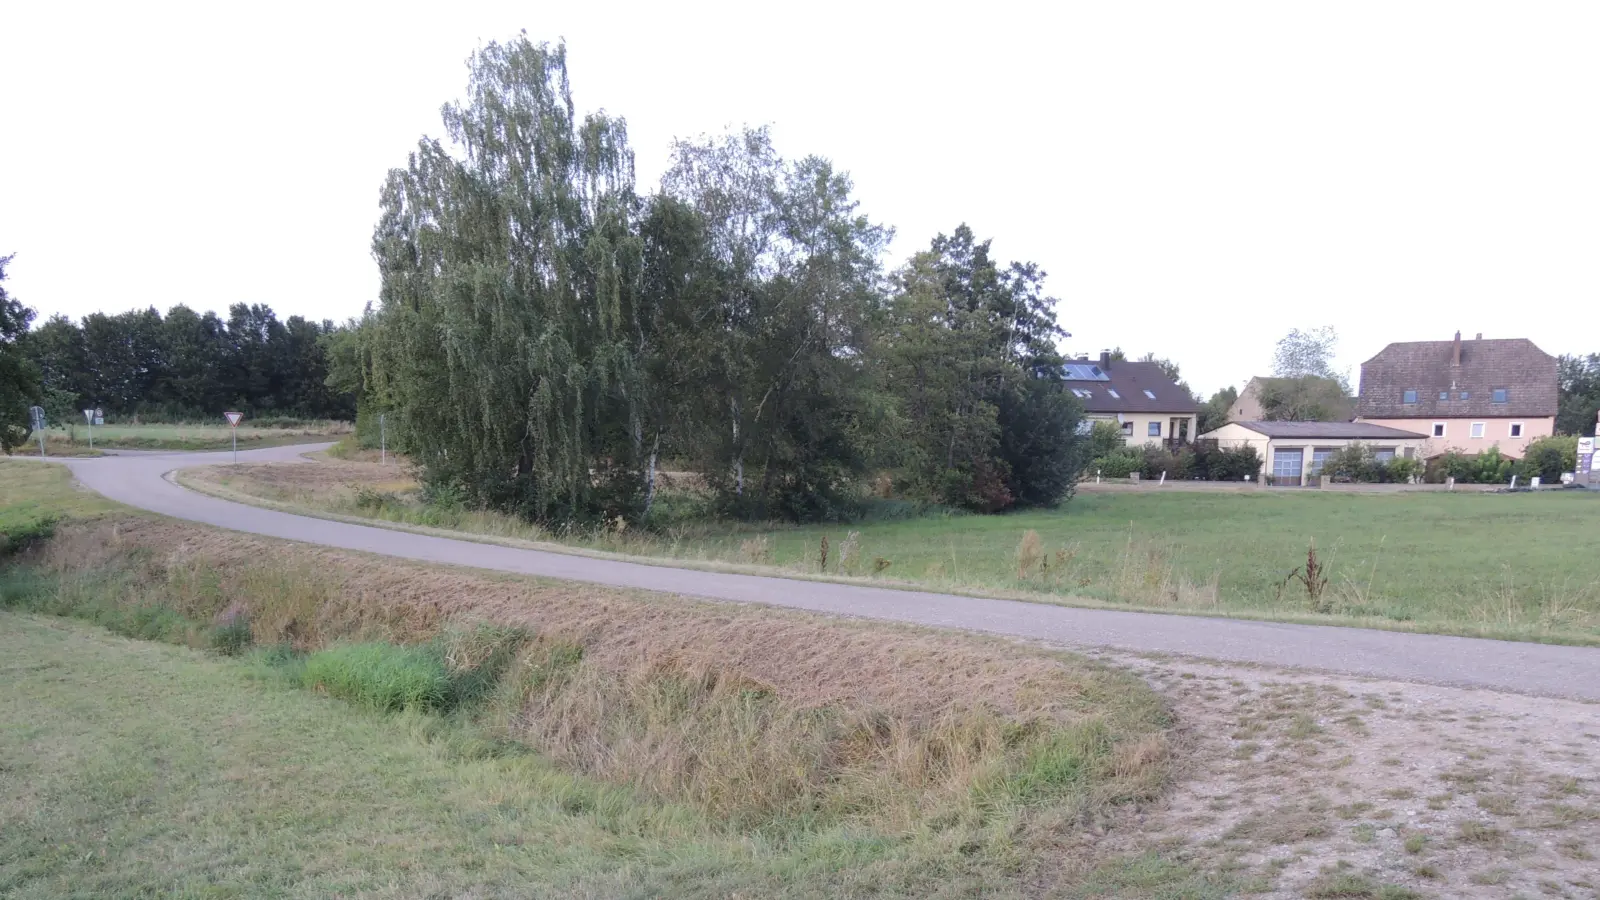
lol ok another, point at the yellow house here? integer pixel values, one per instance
(1463, 396)
(1292, 452)
(1147, 405)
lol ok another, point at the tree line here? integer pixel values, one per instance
(182, 366)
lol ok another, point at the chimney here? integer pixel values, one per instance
(1105, 360)
(1455, 354)
(1480, 336)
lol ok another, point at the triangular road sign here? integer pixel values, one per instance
(233, 418)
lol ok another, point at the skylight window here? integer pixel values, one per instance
(1113, 392)
(1150, 394)
(1084, 372)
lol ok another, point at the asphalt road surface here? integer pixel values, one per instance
(138, 480)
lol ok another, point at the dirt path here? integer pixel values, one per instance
(1304, 785)
(1528, 668)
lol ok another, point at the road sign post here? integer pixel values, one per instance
(36, 421)
(88, 416)
(233, 426)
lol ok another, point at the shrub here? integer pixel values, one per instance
(1105, 438)
(1549, 458)
(382, 676)
(1120, 464)
(1159, 460)
(1213, 463)
(230, 634)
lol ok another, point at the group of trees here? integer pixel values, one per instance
(185, 365)
(1579, 377)
(546, 336)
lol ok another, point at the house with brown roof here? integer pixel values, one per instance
(1147, 405)
(1465, 396)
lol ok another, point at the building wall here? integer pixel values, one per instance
(1248, 407)
(1458, 433)
(1141, 426)
(1233, 436)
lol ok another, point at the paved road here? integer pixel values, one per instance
(137, 480)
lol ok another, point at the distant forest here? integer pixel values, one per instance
(188, 365)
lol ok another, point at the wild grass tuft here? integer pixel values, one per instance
(380, 675)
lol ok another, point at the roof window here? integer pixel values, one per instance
(1149, 394)
(1408, 397)
(1500, 395)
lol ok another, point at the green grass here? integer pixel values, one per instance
(74, 438)
(1494, 565)
(34, 496)
(133, 768)
(1499, 563)
(379, 675)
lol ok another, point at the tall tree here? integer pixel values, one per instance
(1579, 381)
(970, 353)
(1214, 413)
(1305, 398)
(1309, 352)
(19, 378)
(510, 269)
(785, 291)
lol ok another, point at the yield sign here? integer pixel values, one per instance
(233, 418)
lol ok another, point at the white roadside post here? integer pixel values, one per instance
(36, 419)
(233, 426)
(88, 416)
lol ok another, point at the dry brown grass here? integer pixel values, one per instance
(750, 713)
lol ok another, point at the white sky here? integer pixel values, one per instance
(1197, 178)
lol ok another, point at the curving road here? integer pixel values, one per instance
(138, 480)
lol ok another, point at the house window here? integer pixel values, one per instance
(1085, 426)
(1516, 429)
(1383, 454)
(1500, 395)
(1319, 457)
(1150, 395)
(1408, 397)
(1444, 395)
(1127, 429)
(1286, 462)
(1155, 429)
(1477, 429)
(1438, 429)
(1113, 393)
(1464, 395)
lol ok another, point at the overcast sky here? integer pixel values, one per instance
(1197, 178)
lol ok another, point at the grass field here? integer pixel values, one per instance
(469, 734)
(73, 439)
(1499, 565)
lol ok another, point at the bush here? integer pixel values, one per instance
(1548, 458)
(382, 676)
(1357, 463)
(1119, 464)
(1105, 438)
(1488, 467)
(1158, 460)
(1213, 463)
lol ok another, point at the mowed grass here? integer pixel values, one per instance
(137, 769)
(1496, 565)
(74, 439)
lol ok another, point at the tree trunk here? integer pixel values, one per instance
(738, 451)
(650, 475)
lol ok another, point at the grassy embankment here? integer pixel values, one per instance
(499, 736)
(73, 439)
(1493, 565)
